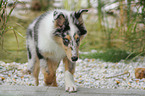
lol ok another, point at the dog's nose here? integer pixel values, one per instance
(74, 58)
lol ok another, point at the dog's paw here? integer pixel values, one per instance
(70, 88)
(69, 82)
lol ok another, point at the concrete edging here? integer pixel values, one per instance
(10, 90)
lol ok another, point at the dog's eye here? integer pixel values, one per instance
(66, 41)
(77, 40)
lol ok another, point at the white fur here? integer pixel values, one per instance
(69, 82)
(46, 41)
(73, 30)
(43, 63)
(31, 44)
(33, 51)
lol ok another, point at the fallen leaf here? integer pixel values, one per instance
(93, 60)
(2, 78)
(14, 79)
(118, 82)
(22, 77)
(9, 75)
(129, 83)
(137, 81)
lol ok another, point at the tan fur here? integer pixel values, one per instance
(58, 40)
(81, 20)
(67, 49)
(69, 66)
(76, 36)
(81, 38)
(36, 71)
(47, 54)
(50, 77)
(68, 52)
(59, 21)
(67, 37)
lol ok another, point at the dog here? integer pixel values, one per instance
(52, 37)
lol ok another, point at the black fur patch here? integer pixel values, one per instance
(72, 44)
(38, 53)
(82, 30)
(78, 14)
(55, 12)
(30, 33)
(63, 30)
(29, 53)
(74, 35)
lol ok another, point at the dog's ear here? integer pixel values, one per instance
(78, 13)
(79, 21)
(59, 19)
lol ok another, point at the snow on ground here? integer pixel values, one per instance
(90, 73)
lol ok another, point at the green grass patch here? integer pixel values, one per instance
(11, 51)
(110, 55)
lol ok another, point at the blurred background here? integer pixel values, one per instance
(116, 28)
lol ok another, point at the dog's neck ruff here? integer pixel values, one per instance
(46, 42)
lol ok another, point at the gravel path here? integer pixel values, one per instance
(90, 73)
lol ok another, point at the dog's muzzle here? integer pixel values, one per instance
(74, 58)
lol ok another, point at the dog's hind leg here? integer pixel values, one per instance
(50, 76)
(33, 66)
(69, 79)
(34, 69)
(36, 72)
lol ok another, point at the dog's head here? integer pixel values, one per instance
(70, 30)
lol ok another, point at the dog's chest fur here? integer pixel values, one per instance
(46, 41)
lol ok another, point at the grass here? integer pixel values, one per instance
(11, 52)
(4, 18)
(110, 55)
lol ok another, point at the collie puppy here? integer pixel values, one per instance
(52, 37)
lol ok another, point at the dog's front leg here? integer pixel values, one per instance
(69, 79)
